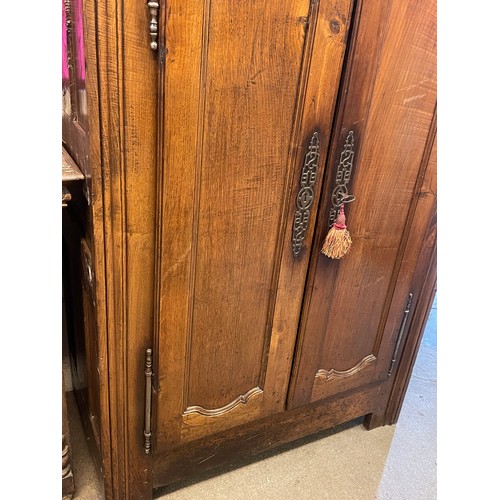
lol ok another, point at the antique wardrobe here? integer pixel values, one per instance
(219, 139)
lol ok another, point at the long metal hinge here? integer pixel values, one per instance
(400, 334)
(147, 406)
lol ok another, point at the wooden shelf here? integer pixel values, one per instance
(70, 171)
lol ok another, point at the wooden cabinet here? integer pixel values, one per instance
(214, 327)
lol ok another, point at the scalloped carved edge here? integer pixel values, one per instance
(241, 399)
(330, 374)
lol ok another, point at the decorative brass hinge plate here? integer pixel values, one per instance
(340, 195)
(305, 196)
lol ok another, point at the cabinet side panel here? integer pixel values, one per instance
(138, 178)
(122, 124)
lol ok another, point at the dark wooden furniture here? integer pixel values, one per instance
(70, 174)
(213, 137)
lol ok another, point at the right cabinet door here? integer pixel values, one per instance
(354, 308)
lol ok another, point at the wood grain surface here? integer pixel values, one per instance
(347, 303)
(122, 75)
(228, 447)
(246, 86)
(193, 158)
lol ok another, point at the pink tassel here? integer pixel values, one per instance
(338, 240)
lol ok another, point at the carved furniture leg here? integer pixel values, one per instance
(68, 485)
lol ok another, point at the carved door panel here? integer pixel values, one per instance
(355, 308)
(249, 90)
(74, 93)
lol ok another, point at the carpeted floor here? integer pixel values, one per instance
(346, 463)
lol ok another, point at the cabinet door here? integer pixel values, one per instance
(354, 308)
(249, 92)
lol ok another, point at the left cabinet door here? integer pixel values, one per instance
(248, 98)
